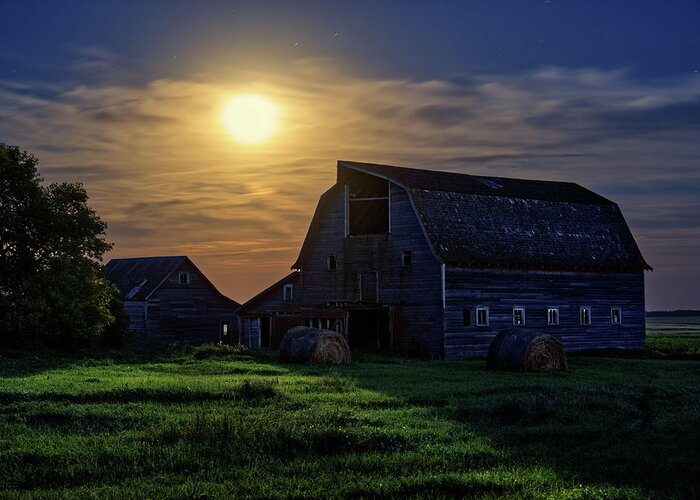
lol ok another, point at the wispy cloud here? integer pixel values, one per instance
(163, 172)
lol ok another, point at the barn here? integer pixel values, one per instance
(169, 299)
(435, 264)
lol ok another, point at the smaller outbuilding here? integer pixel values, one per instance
(169, 299)
(265, 318)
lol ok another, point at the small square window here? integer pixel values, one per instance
(184, 278)
(288, 293)
(518, 316)
(482, 316)
(331, 264)
(552, 316)
(585, 315)
(616, 316)
(406, 258)
(467, 316)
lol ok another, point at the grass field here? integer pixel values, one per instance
(676, 337)
(216, 422)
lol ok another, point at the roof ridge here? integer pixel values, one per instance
(457, 182)
(152, 257)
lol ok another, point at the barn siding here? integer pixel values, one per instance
(273, 299)
(245, 331)
(415, 291)
(136, 311)
(191, 312)
(501, 290)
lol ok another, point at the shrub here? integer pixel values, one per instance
(206, 351)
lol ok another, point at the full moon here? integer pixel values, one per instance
(250, 118)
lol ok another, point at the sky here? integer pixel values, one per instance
(126, 97)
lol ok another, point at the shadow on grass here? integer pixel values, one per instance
(598, 424)
(634, 434)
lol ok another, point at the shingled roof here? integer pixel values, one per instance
(477, 221)
(137, 278)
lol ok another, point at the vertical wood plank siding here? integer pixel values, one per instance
(414, 291)
(536, 291)
(250, 332)
(136, 312)
(268, 303)
(192, 312)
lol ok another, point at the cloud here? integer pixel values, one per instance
(168, 179)
(442, 115)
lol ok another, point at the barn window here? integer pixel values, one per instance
(482, 316)
(552, 316)
(367, 204)
(331, 264)
(184, 278)
(406, 258)
(616, 316)
(467, 316)
(585, 315)
(288, 293)
(518, 316)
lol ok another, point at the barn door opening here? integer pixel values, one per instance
(369, 331)
(265, 332)
(280, 325)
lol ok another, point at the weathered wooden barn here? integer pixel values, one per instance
(436, 263)
(169, 299)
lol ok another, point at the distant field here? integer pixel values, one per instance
(687, 324)
(679, 337)
(215, 422)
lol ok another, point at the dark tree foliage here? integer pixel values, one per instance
(53, 287)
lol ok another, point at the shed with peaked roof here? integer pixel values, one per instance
(170, 299)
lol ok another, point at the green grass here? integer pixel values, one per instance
(212, 422)
(674, 337)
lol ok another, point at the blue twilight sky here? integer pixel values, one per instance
(124, 96)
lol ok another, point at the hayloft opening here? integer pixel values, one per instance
(367, 203)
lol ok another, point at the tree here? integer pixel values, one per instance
(53, 287)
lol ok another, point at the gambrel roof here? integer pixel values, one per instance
(137, 278)
(477, 221)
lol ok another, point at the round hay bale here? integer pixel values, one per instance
(531, 352)
(302, 344)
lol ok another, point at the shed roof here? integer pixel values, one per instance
(137, 278)
(253, 302)
(478, 221)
